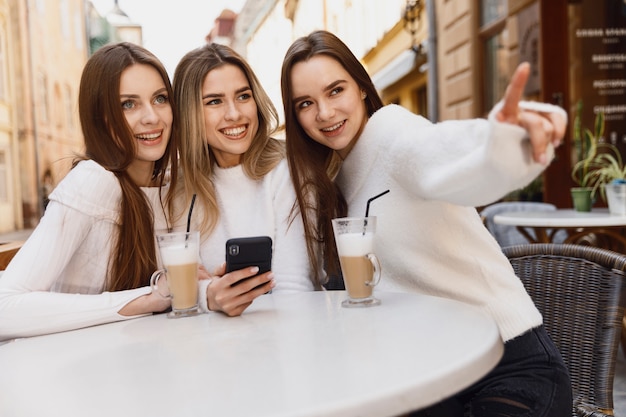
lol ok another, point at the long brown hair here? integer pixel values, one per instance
(313, 166)
(110, 142)
(196, 156)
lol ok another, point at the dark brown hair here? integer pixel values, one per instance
(313, 166)
(110, 142)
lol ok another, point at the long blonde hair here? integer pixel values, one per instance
(196, 157)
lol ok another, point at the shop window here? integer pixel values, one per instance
(492, 10)
(496, 69)
(494, 37)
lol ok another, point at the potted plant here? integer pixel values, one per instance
(608, 173)
(586, 148)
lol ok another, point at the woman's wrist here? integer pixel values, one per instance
(203, 294)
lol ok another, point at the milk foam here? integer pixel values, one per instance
(355, 244)
(180, 254)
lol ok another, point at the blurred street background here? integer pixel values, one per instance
(444, 59)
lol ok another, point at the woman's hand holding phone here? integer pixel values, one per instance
(231, 293)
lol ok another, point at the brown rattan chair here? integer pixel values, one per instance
(581, 293)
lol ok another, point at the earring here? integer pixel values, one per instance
(363, 95)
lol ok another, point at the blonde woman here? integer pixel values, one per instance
(239, 175)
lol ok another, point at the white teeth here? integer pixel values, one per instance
(330, 129)
(234, 131)
(151, 136)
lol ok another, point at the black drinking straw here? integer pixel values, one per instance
(193, 200)
(367, 209)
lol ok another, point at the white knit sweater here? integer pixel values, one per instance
(254, 208)
(430, 238)
(56, 280)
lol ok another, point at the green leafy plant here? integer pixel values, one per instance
(586, 147)
(606, 167)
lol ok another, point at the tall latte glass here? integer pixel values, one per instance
(179, 252)
(359, 266)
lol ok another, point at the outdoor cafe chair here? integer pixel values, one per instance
(507, 235)
(580, 292)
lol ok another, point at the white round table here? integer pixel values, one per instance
(561, 218)
(287, 355)
(596, 228)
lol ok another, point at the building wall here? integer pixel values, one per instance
(48, 48)
(361, 24)
(459, 85)
(398, 71)
(462, 85)
(274, 30)
(10, 209)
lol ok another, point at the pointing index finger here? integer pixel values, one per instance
(514, 93)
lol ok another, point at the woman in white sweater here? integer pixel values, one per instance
(345, 147)
(239, 175)
(90, 258)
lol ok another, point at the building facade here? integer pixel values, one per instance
(44, 45)
(40, 127)
(10, 187)
(452, 59)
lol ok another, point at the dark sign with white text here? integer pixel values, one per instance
(601, 38)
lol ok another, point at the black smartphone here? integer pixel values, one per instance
(242, 252)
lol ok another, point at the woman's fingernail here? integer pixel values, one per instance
(543, 159)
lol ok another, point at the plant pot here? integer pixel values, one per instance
(581, 197)
(616, 198)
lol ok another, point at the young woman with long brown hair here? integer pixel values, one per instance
(90, 258)
(345, 147)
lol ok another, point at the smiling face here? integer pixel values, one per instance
(146, 106)
(230, 114)
(328, 103)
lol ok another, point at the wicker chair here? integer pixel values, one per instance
(581, 293)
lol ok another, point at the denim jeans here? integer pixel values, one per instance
(530, 380)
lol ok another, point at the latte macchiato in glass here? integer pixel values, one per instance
(360, 267)
(179, 253)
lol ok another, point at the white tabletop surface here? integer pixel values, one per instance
(287, 355)
(561, 218)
